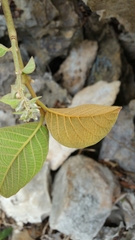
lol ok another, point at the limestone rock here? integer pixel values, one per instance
(119, 144)
(6, 116)
(32, 203)
(127, 90)
(20, 235)
(7, 74)
(111, 233)
(57, 153)
(108, 64)
(123, 11)
(53, 92)
(128, 43)
(132, 107)
(99, 93)
(73, 71)
(2, 26)
(83, 193)
(95, 29)
(128, 207)
(35, 14)
(44, 28)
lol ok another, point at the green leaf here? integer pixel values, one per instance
(23, 150)
(3, 50)
(5, 233)
(10, 101)
(30, 67)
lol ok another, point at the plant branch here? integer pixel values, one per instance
(17, 56)
(28, 85)
(12, 35)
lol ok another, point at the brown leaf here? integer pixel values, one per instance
(81, 126)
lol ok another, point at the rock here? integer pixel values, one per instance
(116, 216)
(95, 29)
(75, 68)
(127, 90)
(54, 92)
(2, 26)
(32, 203)
(46, 33)
(127, 41)
(107, 65)
(128, 207)
(6, 117)
(21, 235)
(118, 9)
(50, 91)
(57, 153)
(7, 74)
(47, 10)
(79, 205)
(119, 144)
(110, 233)
(85, 1)
(117, 233)
(35, 14)
(99, 93)
(132, 107)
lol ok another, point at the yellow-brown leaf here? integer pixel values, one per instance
(81, 126)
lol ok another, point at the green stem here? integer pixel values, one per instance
(12, 35)
(16, 53)
(28, 85)
(9, 19)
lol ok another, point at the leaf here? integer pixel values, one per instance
(10, 101)
(5, 233)
(81, 126)
(23, 150)
(3, 50)
(30, 67)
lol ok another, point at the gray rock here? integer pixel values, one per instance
(132, 107)
(82, 198)
(7, 74)
(107, 66)
(2, 25)
(44, 28)
(116, 216)
(128, 207)
(95, 29)
(102, 93)
(127, 90)
(73, 71)
(119, 144)
(118, 9)
(51, 92)
(109, 233)
(128, 43)
(6, 116)
(118, 233)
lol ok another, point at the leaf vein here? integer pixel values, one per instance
(75, 129)
(87, 128)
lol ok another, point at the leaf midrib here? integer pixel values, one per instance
(53, 111)
(26, 142)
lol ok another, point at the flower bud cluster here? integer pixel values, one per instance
(28, 109)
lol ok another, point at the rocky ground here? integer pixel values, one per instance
(84, 54)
